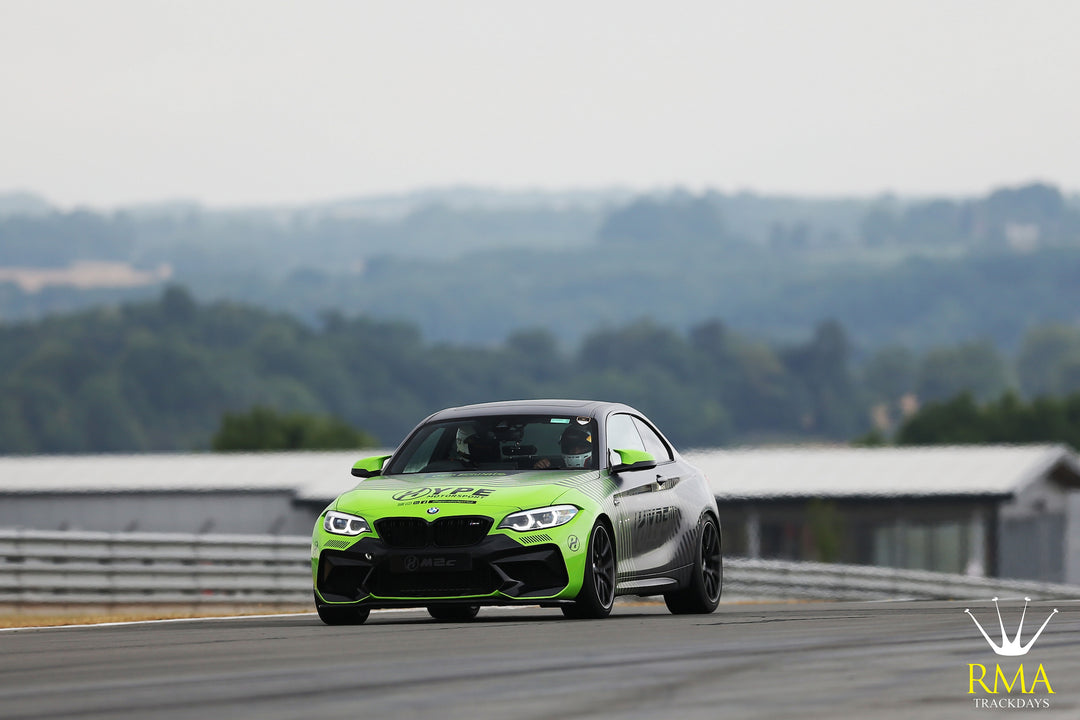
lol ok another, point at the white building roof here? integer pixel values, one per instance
(978, 470)
(750, 473)
(299, 473)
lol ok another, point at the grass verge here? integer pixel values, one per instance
(47, 616)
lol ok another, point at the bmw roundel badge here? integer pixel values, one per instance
(432, 510)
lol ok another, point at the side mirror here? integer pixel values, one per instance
(633, 460)
(369, 467)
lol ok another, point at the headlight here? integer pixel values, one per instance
(340, 523)
(539, 519)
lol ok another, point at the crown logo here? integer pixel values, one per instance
(1011, 648)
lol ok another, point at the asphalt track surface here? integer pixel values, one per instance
(753, 660)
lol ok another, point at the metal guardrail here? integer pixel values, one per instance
(47, 568)
(780, 579)
(39, 567)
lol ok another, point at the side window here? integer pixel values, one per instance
(622, 435)
(654, 445)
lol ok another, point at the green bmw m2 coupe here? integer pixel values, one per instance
(561, 503)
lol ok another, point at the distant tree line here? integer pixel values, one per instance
(1009, 419)
(1035, 214)
(58, 239)
(161, 375)
(263, 428)
(921, 273)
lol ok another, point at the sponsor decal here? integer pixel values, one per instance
(448, 493)
(573, 543)
(655, 516)
(998, 687)
(429, 563)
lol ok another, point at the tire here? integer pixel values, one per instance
(458, 612)
(597, 593)
(332, 615)
(702, 595)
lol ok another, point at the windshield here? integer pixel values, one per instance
(511, 442)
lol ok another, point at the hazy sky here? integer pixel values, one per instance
(111, 102)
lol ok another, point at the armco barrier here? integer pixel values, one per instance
(39, 567)
(779, 579)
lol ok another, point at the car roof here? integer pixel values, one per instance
(590, 408)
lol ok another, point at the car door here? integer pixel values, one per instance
(647, 513)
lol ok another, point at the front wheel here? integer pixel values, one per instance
(702, 595)
(458, 612)
(348, 615)
(598, 585)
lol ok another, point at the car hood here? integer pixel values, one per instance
(462, 493)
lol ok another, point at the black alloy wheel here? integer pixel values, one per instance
(598, 586)
(702, 596)
(341, 615)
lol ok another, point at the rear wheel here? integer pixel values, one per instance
(458, 612)
(598, 586)
(702, 596)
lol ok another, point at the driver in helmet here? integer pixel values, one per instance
(576, 445)
(460, 450)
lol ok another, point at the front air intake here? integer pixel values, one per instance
(413, 533)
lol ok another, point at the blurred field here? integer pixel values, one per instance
(85, 276)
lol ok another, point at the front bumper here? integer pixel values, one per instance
(496, 570)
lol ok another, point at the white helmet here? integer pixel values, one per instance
(464, 432)
(576, 446)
